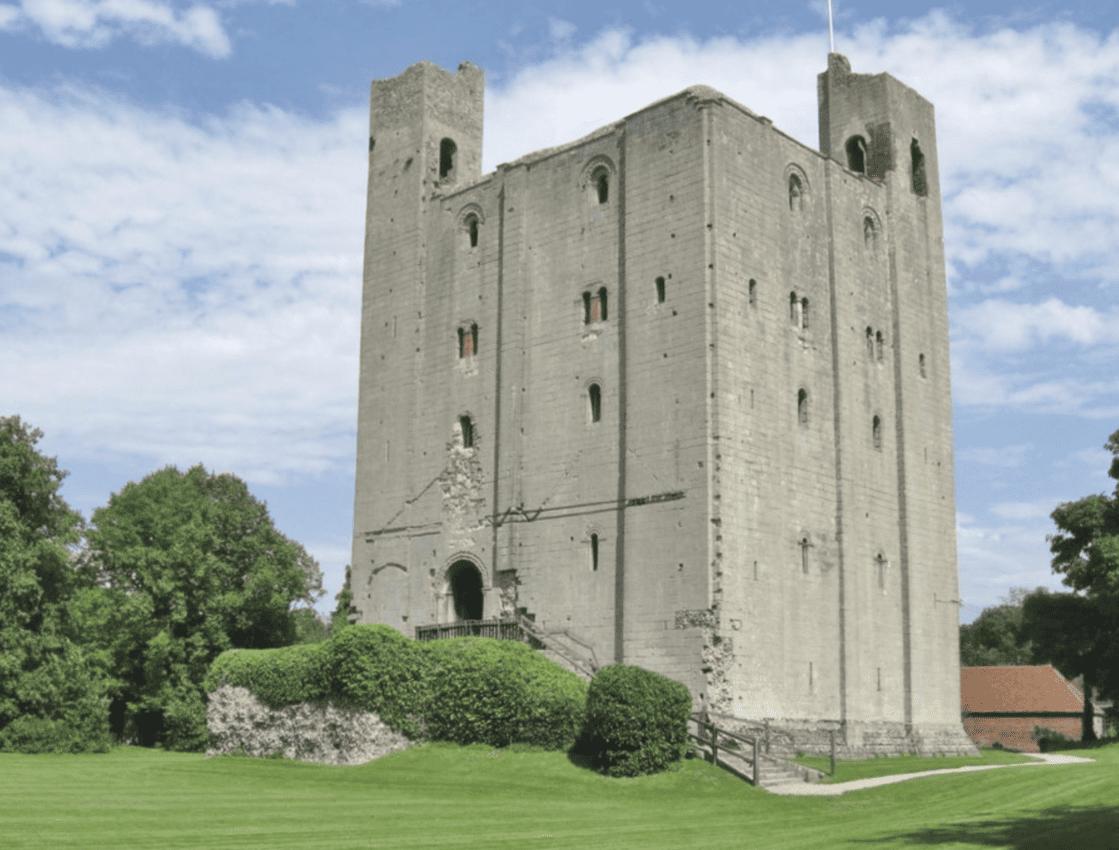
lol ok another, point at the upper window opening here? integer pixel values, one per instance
(753, 293)
(870, 343)
(921, 363)
(796, 193)
(602, 185)
(594, 399)
(447, 150)
(856, 154)
(472, 230)
(880, 562)
(879, 344)
(917, 162)
(876, 433)
(802, 407)
(468, 341)
(660, 290)
(794, 308)
(467, 428)
(594, 306)
(804, 314)
(804, 544)
(594, 551)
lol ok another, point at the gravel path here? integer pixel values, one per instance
(810, 789)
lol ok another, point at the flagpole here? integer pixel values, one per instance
(831, 31)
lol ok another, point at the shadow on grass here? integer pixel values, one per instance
(1082, 827)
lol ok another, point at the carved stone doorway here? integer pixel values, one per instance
(466, 590)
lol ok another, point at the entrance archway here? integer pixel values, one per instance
(466, 590)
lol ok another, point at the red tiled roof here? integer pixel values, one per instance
(1018, 689)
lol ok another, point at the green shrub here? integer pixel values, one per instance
(1048, 738)
(32, 735)
(499, 692)
(278, 677)
(637, 721)
(375, 668)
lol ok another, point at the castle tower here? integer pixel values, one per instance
(425, 136)
(679, 390)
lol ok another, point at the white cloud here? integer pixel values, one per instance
(1037, 509)
(1000, 325)
(182, 292)
(993, 559)
(94, 23)
(560, 30)
(1006, 456)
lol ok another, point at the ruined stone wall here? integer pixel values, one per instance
(241, 724)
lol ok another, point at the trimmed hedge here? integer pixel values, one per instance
(464, 690)
(637, 721)
(375, 668)
(498, 692)
(278, 677)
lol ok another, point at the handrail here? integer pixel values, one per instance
(703, 720)
(542, 636)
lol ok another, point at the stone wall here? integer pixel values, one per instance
(237, 720)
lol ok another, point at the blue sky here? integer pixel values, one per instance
(182, 200)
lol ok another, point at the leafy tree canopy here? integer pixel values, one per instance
(46, 682)
(188, 565)
(994, 638)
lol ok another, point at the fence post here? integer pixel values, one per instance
(832, 752)
(756, 771)
(714, 743)
(767, 736)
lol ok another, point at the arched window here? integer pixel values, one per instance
(447, 150)
(879, 345)
(870, 343)
(802, 407)
(796, 193)
(856, 154)
(660, 290)
(602, 304)
(472, 230)
(804, 314)
(870, 233)
(601, 181)
(594, 551)
(804, 544)
(594, 402)
(753, 293)
(876, 433)
(921, 363)
(467, 427)
(917, 164)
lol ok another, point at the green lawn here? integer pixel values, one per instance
(847, 770)
(439, 796)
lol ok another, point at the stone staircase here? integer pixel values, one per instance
(560, 646)
(737, 757)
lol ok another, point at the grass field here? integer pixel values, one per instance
(440, 796)
(847, 770)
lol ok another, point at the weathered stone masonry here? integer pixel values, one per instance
(680, 388)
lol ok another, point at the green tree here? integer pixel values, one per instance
(309, 626)
(1079, 632)
(188, 565)
(53, 696)
(345, 613)
(994, 638)
(1071, 632)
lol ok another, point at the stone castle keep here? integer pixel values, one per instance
(680, 389)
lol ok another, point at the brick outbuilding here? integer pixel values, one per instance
(1004, 704)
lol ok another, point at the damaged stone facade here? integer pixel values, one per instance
(679, 388)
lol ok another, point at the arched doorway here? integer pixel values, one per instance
(466, 590)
